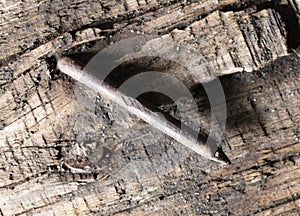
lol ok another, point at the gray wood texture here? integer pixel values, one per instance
(247, 43)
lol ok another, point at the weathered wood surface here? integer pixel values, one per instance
(39, 115)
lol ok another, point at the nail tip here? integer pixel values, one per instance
(220, 155)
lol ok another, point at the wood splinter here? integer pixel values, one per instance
(183, 135)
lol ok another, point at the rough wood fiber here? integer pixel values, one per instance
(39, 116)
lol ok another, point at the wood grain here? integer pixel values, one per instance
(40, 117)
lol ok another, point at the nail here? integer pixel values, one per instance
(181, 134)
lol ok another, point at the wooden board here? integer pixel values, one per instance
(40, 117)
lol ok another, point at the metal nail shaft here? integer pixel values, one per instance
(69, 67)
